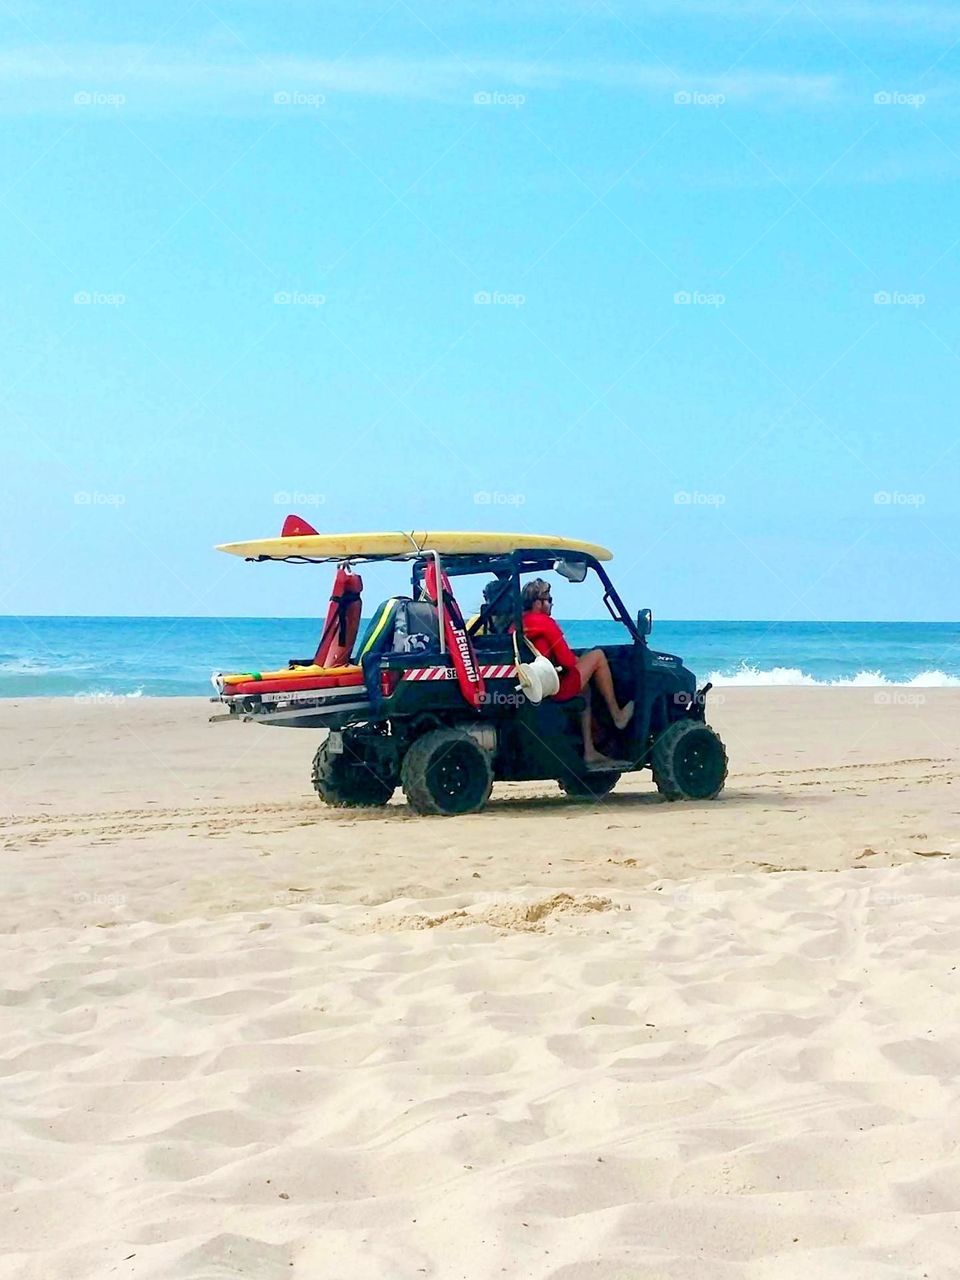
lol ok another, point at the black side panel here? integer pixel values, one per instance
(542, 741)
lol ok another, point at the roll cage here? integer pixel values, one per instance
(509, 568)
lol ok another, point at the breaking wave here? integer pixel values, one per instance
(791, 677)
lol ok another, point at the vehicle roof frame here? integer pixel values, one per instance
(516, 562)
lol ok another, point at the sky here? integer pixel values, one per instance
(675, 276)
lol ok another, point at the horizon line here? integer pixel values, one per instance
(306, 617)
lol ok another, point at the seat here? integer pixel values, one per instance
(378, 637)
(400, 625)
(416, 628)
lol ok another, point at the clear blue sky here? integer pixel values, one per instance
(184, 164)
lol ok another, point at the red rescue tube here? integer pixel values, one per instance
(342, 622)
(455, 633)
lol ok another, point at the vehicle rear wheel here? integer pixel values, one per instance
(446, 772)
(592, 787)
(689, 762)
(344, 781)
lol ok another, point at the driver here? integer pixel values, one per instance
(577, 674)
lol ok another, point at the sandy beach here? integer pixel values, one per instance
(243, 1035)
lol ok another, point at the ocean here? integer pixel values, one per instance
(165, 657)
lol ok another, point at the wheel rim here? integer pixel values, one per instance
(699, 764)
(454, 778)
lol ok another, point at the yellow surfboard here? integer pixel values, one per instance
(359, 546)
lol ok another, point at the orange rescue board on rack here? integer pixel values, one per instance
(246, 687)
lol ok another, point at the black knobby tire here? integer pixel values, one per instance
(344, 782)
(446, 772)
(689, 761)
(592, 786)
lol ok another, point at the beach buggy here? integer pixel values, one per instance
(444, 707)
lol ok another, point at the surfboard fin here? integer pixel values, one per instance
(296, 527)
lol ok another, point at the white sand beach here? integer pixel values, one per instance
(244, 1035)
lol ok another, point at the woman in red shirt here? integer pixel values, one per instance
(576, 673)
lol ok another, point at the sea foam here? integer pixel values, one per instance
(794, 677)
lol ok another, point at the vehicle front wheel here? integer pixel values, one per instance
(446, 772)
(689, 762)
(344, 781)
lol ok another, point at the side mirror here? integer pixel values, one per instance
(645, 622)
(572, 570)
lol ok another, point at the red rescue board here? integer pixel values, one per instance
(293, 686)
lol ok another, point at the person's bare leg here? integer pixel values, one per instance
(593, 666)
(590, 753)
(589, 750)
